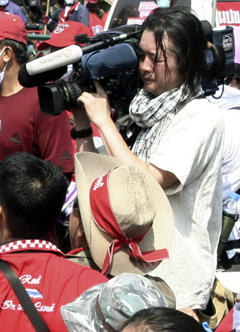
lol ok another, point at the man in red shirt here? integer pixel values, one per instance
(23, 126)
(95, 23)
(32, 192)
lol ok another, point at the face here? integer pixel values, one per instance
(156, 78)
(76, 232)
(234, 83)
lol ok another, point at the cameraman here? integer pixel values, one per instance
(179, 144)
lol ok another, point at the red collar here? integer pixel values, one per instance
(23, 245)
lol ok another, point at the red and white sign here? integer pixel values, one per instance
(144, 10)
(228, 13)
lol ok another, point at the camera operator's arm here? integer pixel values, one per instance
(99, 112)
(82, 122)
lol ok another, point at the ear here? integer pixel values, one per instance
(76, 231)
(8, 54)
(4, 232)
(1, 214)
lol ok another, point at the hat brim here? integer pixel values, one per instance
(57, 43)
(88, 167)
(42, 46)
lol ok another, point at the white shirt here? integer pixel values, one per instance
(231, 150)
(191, 149)
(230, 97)
(203, 9)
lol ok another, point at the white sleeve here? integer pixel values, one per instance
(190, 142)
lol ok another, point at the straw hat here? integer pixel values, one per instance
(126, 216)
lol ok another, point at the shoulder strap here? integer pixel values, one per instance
(233, 244)
(23, 297)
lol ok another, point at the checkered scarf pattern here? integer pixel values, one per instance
(154, 114)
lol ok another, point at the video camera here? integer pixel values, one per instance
(112, 58)
(115, 68)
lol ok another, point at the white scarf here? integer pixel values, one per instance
(154, 114)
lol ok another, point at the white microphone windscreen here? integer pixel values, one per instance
(60, 58)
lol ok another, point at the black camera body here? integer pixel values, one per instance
(114, 66)
(219, 58)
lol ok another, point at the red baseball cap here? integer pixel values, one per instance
(63, 35)
(12, 27)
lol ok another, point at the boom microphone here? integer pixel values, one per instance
(108, 41)
(60, 58)
(65, 56)
(48, 67)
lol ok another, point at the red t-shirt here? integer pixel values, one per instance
(50, 279)
(25, 128)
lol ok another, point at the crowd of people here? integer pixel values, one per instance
(37, 14)
(125, 240)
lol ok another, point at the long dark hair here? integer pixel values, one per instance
(161, 319)
(188, 41)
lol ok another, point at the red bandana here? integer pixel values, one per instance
(105, 220)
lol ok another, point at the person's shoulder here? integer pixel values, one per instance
(27, 94)
(200, 102)
(30, 95)
(32, 90)
(201, 107)
(71, 268)
(82, 6)
(199, 112)
(15, 6)
(12, 4)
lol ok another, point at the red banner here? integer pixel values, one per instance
(228, 13)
